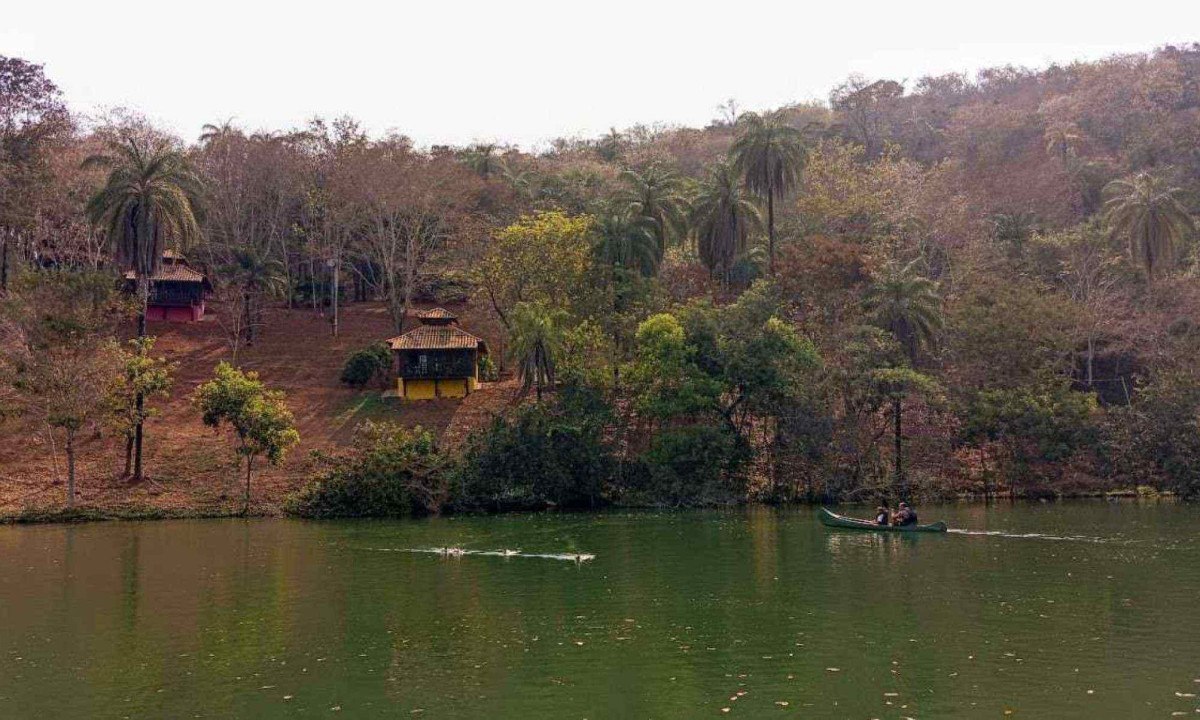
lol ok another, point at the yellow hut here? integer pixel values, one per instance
(437, 359)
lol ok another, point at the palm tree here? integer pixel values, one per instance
(523, 182)
(907, 304)
(149, 200)
(609, 146)
(536, 344)
(254, 272)
(723, 218)
(624, 242)
(211, 133)
(482, 158)
(1149, 214)
(769, 153)
(1062, 140)
(655, 196)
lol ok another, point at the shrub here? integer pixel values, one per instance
(693, 465)
(552, 453)
(366, 365)
(1156, 439)
(392, 471)
(487, 369)
(1037, 428)
(448, 288)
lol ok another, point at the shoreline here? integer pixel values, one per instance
(91, 514)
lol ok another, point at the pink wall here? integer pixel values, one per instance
(170, 313)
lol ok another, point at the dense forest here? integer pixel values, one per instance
(951, 286)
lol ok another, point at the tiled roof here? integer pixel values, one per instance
(436, 314)
(172, 271)
(437, 337)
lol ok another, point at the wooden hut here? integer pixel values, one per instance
(177, 291)
(437, 359)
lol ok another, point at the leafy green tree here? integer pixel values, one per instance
(1032, 425)
(142, 375)
(723, 218)
(258, 417)
(1148, 213)
(536, 344)
(655, 197)
(149, 201)
(907, 304)
(540, 258)
(1156, 438)
(665, 376)
(770, 154)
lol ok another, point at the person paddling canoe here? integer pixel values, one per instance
(905, 516)
(883, 516)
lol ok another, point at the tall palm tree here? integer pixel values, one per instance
(655, 196)
(211, 133)
(769, 153)
(906, 303)
(1148, 212)
(723, 218)
(536, 344)
(150, 200)
(624, 242)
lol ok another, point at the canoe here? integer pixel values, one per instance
(830, 519)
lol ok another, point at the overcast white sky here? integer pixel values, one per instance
(525, 71)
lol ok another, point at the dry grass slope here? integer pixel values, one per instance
(191, 469)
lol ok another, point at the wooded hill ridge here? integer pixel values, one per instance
(954, 285)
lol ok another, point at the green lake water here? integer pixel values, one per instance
(1072, 610)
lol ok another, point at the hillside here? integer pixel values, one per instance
(192, 469)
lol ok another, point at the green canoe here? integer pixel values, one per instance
(830, 519)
